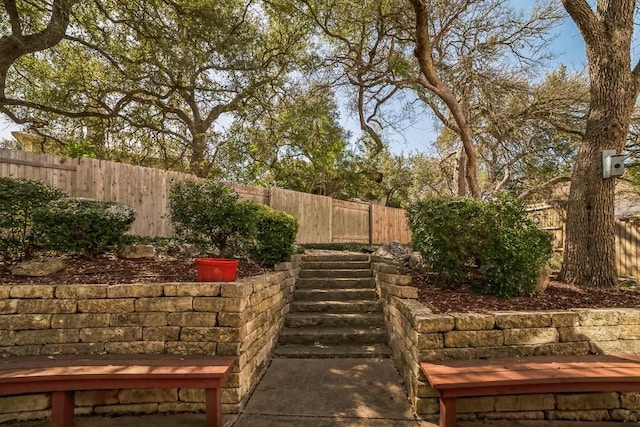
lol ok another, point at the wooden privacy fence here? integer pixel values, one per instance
(627, 237)
(322, 219)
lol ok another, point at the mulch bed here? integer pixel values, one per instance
(112, 270)
(558, 296)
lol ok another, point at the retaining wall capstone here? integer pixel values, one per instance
(241, 319)
(418, 335)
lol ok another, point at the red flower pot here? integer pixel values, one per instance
(216, 269)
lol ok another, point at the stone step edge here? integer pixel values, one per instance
(333, 351)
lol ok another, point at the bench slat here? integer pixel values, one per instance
(547, 376)
(528, 363)
(553, 374)
(63, 375)
(109, 359)
(62, 372)
(532, 377)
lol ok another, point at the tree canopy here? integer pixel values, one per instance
(309, 95)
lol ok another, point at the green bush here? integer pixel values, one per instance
(276, 234)
(495, 236)
(446, 231)
(19, 200)
(210, 215)
(83, 225)
(514, 253)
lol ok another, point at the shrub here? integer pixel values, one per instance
(209, 215)
(19, 200)
(495, 236)
(83, 225)
(276, 234)
(446, 231)
(514, 249)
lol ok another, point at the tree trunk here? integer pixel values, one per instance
(461, 172)
(197, 163)
(436, 85)
(589, 252)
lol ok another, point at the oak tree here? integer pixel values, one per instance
(607, 30)
(30, 27)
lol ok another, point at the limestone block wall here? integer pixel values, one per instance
(240, 319)
(417, 335)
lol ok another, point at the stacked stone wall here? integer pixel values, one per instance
(240, 319)
(418, 335)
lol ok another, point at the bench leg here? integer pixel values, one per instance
(213, 409)
(448, 412)
(62, 405)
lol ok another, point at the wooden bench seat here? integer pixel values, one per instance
(63, 375)
(527, 375)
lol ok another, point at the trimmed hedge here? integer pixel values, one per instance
(496, 237)
(276, 234)
(20, 199)
(209, 215)
(83, 225)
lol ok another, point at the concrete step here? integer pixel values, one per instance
(312, 335)
(332, 351)
(344, 273)
(356, 306)
(337, 258)
(297, 320)
(336, 283)
(335, 265)
(334, 294)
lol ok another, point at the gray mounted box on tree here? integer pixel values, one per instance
(612, 164)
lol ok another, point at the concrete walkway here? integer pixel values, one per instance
(329, 392)
(317, 393)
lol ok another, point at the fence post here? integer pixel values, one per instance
(370, 224)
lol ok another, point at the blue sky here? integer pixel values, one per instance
(568, 46)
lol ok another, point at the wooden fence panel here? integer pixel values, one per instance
(551, 219)
(627, 241)
(253, 194)
(388, 225)
(633, 268)
(350, 222)
(141, 188)
(51, 170)
(627, 238)
(313, 213)
(322, 219)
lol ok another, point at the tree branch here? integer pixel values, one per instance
(530, 192)
(585, 19)
(14, 17)
(16, 45)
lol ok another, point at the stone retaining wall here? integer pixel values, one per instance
(240, 319)
(417, 335)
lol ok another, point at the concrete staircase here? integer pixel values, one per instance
(335, 311)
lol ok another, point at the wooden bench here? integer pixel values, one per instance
(63, 375)
(527, 375)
